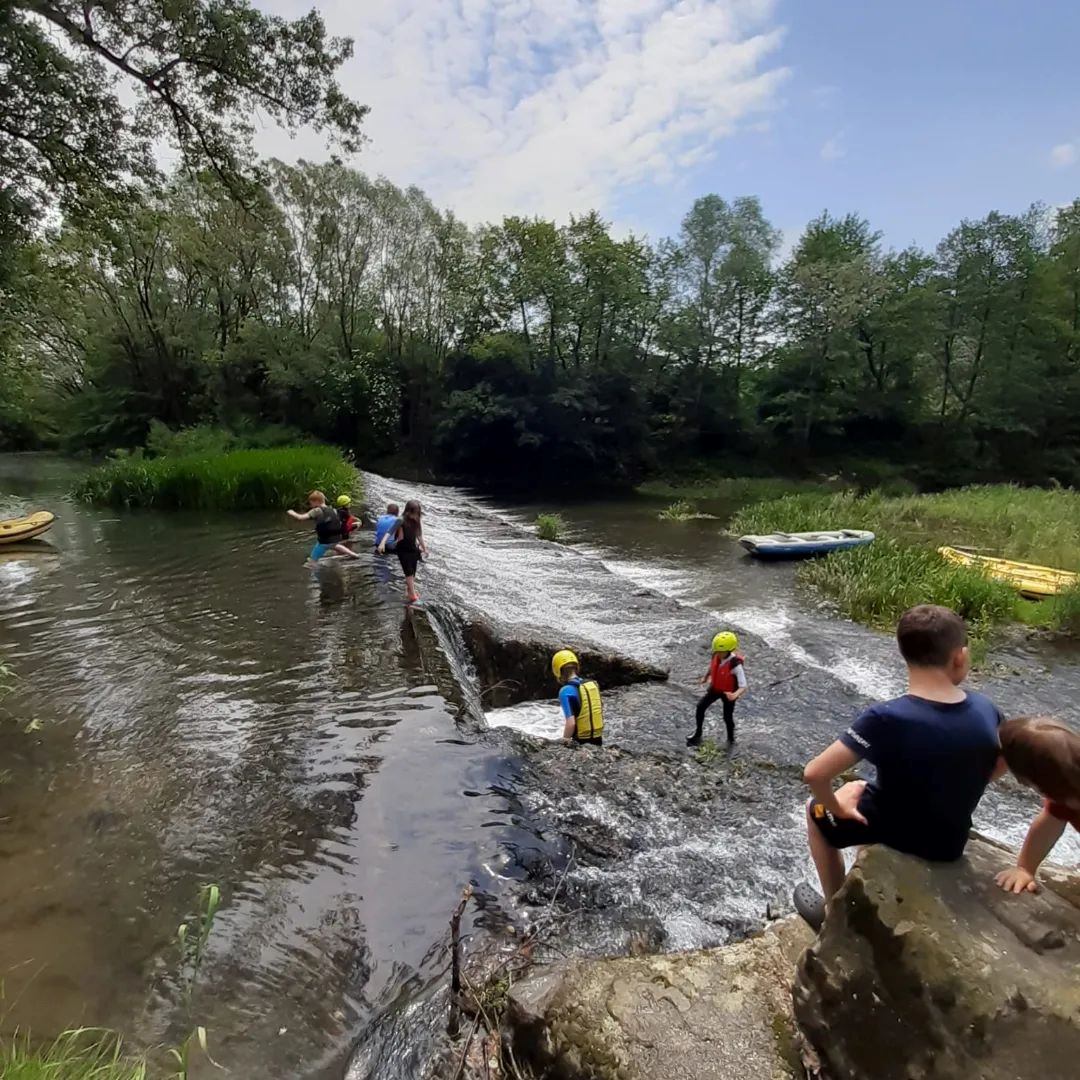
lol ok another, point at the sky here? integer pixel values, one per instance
(915, 115)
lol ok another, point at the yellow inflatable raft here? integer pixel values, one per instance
(1026, 578)
(25, 528)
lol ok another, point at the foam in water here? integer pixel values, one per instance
(540, 719)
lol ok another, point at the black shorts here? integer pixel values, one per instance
(844, 832)
(409, 560)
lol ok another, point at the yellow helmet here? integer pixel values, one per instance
(560, 660)
(725, 641)
(343, 500)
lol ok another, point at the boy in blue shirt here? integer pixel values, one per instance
(579, 699)
(387, 523)
(935, 749)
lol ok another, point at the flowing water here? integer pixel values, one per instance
(194, 705)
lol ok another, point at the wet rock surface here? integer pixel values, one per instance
(716, 1013)
(931, 971)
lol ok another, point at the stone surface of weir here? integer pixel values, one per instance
(932, 971)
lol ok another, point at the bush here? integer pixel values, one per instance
(878, 583)
(206, 439)
(549, 527)
(242, 479)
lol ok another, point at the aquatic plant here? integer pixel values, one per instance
(240, 480)
(878, 583)
(709, 752)
(680, 510)
(78, 1054)
(549, 526)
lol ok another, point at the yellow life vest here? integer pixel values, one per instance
(590, 717)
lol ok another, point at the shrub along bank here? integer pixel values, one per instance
(876, 584)
(241, 479)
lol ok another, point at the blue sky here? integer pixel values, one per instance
(915, 115)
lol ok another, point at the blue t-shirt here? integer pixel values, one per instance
(570, 698)
(385, 524)
(933, 763)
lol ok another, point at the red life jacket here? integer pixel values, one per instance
(722, 673)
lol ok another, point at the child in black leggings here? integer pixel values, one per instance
(726, 678)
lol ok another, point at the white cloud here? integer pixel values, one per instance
(546, 106)
(1063, 155)
(833, 149)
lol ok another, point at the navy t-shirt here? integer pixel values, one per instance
(933, 763)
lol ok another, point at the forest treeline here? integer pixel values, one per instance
(528, 353)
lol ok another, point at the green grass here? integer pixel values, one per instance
(1030, 524)
(549, 527)
(734, 490)
(680, 510)
(876, 584)
(81, 1054)
(239, 480)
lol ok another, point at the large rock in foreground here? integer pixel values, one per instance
(931, 971)
(695, 1016)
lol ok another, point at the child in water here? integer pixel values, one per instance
(327, 527)
(345, 516)
(409, 546)
(1045, 755)
(583, 714)
(726, 678)
(385, 527)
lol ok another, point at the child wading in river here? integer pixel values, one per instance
(1044, 754)
(726, 679)
(327, 527)
(579, 699)
(409, 546)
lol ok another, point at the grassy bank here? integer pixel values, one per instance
(876, 584)
(735, 490)
(82, 1054)
(241, 479)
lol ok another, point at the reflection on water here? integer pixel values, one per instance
(210, 710)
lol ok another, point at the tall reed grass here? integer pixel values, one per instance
(240, 480)
(550, 527)
(877, 584)
(79, 1054)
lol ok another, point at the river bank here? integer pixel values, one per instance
(217, 713)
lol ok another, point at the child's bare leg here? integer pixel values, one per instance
(829, 861)
(410, 588)
(341, 549)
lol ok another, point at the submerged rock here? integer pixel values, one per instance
(716, 1013)
(931, 971)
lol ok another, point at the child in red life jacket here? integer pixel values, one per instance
(345, 516)
(727, 683)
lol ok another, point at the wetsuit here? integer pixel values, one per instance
(725, 677)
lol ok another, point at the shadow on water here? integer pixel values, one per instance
(209, 709)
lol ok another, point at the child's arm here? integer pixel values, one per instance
(420, 540)
(1044, 833)
(298, 517)
(823, 770)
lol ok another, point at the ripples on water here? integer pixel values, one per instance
(213, 711)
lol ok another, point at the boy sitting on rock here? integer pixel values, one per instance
(935, 749)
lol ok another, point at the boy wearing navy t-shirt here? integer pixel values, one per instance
(935, 749)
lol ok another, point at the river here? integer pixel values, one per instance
(193, 705)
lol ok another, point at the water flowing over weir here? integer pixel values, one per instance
(211, 711)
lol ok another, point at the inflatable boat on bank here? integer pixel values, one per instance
(803, 545)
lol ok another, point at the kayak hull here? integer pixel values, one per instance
(1028, 579)
(804, 545)
(15, 530)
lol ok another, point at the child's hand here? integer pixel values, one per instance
(847, 800)
(1017, 880)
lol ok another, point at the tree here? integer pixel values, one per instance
(201, 69)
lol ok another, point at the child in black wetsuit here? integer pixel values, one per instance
(409, 546)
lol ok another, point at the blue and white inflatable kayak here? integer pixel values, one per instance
(801, 545)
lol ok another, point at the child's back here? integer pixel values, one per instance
(933, 761)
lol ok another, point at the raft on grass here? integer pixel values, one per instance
(1026, 578)
(12, 530)
(782, 545)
